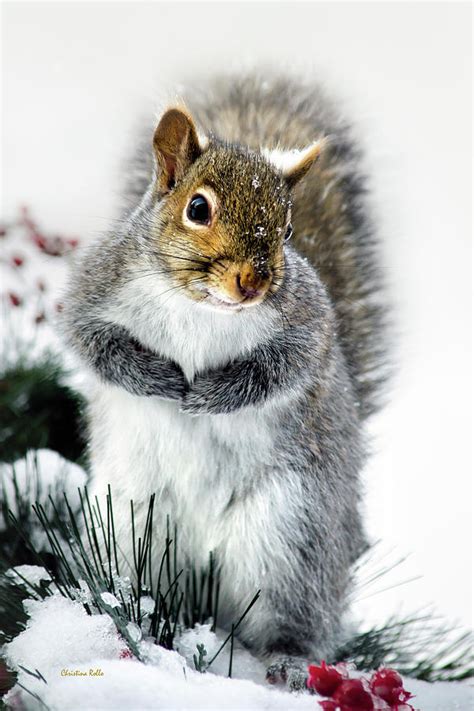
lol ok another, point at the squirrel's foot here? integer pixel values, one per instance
(290, 671)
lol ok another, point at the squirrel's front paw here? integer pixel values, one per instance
(190, 404)
(164, 379)
(199, 399)
(291, 672)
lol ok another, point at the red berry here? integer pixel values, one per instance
(388, 685)
(397, 696)
(387, 678)
(40, 241)
(324, 679)
(17, 261)
(125, 654)
(352, 695)
(15, 300)
(328, 705)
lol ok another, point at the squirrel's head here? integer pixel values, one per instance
(223, 213)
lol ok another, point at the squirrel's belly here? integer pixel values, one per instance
(194, 465)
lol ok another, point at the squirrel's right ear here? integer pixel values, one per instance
(176, 145)
(294, 164)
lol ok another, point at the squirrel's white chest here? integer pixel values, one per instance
(195, 465)
(195, 337)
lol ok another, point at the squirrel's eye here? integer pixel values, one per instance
(289, 232)
(199, 210)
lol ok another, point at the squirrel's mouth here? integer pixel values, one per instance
(231, 286)
(216, 300)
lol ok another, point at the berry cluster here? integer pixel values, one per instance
(382, 692)
(53, 245)
(29, 243)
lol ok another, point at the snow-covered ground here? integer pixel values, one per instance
(65, 656)
(79, 659)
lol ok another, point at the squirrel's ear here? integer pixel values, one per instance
(295, 164)
(176, 145)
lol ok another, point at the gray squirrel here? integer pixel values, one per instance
(234, 326)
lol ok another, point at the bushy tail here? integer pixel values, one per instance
(334, 231)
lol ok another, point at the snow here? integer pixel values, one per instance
(40, 473)
(61, 633)
(61, 639)
(34, 574)
(78, 658)
(110, 599)
(130, 685)
(244, 665)
(147, 604)
(45, 467)
(443, 696)
(83, 594)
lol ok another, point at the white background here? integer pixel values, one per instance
(76, 76)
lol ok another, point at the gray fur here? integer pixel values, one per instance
(313, 378)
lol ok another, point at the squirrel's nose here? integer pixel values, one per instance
(251, 283)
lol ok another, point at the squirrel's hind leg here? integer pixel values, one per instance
(290, 671)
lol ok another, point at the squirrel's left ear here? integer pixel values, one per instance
(295, 164)
(176, 145)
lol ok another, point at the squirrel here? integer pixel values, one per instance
(234, 324)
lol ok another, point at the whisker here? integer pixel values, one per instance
(179, 287)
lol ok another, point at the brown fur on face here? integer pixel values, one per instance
(238, 257)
